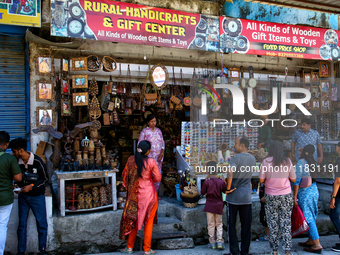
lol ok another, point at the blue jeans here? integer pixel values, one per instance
(38, 206)
(334, 215)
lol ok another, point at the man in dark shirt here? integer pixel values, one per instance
(334, 204)
(9, 171)
(239, 202)
(32, 195)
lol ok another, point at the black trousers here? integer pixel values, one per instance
(245, 212)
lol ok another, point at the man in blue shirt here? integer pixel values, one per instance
(306, 136)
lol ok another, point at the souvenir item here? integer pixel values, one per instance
(79, 64)
(45, 91)
(65, 88)
(93, 63)
(80, 99)
(187, 101)
(252, 81)
(64, 65)
(109, 64)
(175, 100)
(93, 87)
(106, 119)
(324, 69)
(45, 116)
(95, 197)
(196, 102)
(79, 82)
(159, 76)
(44, 65)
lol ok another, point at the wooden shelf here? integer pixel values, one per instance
(88, 210)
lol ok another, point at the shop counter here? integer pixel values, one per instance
(68, 176)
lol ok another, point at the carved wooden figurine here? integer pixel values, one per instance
(103, 196)
(88, 200)
(81, 201)
(95, 197)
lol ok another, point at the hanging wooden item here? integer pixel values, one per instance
(197, 102)
(175, 100)
(136, 88)
(109, 64)
(110, 106)
(106, 119)
(149, 98)
(96, 125)
(187, 101)
(120, 86)
(94, 110)
(93, 88)
(159, 76)
(93, 63)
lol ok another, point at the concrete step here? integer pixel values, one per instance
(167, 224)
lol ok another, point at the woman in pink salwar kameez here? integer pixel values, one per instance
(154, 135)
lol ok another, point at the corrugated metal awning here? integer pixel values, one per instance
(331, 6)
(12, 85)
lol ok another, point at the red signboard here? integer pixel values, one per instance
(279, 40)
(131, 23)
(138, 24)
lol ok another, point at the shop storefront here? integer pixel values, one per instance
(92, 102)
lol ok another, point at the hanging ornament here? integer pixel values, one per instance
(93, 88)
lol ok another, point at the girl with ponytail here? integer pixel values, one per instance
(139, 176)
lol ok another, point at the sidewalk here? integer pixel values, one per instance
(257, 247)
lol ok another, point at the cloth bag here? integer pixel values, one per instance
(299, 223)
(306, 181)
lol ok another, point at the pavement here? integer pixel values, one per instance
(256, 247)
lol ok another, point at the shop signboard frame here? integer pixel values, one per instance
(21, 13)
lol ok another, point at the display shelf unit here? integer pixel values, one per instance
(79, 175)
(204, 137)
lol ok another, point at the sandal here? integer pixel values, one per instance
(150, 252)
(127, 250)
(305, 244)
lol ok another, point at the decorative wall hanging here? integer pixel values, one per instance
(93, 87)
(234, 73)
(159, 76)
(106, 119)
(79, 81)
(315, 77)
(64, 65)
(326, 106)
(66, 107)
(307, 77)
(324, 69)
(315, 91)
(79, 64)
(45, 116)
(45, 91)
(325, 87)
(316, 104)
(95, 113)
(93, 63)
(80, 99)
(187, 101)
(334, 92)
(109, 64)
(65, 86)
(44, 65)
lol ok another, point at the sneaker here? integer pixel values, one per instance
(264, 238)
(212, 246)
(220, 246)
(336, 248)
